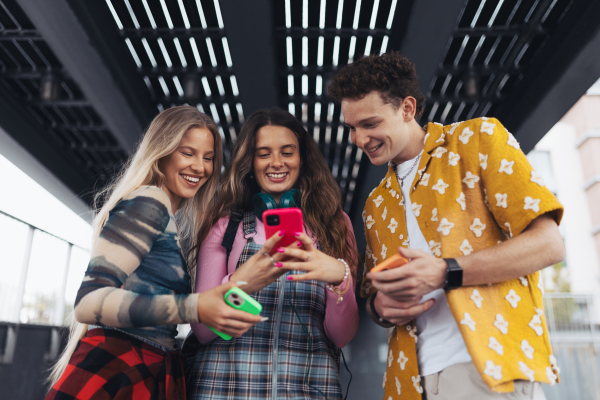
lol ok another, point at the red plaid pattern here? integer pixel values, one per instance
(108, 364)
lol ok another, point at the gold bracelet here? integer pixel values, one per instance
(337, 291)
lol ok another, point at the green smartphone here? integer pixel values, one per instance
(238, 299)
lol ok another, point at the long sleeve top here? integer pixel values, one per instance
(137, 279)
(341, 319)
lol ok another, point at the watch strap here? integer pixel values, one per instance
(375, 315)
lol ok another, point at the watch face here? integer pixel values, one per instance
(454, 274)
(455, 278)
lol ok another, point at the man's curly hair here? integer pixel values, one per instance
(391, 74)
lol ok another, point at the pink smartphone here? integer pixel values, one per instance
(288, 219)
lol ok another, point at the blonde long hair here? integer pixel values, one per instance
(160, 140)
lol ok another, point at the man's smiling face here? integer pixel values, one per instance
(378, 128)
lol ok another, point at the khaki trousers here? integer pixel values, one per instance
(462, 381)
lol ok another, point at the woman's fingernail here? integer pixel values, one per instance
(263, 319)
(289, 278)
(297, 233)
(281, 250)
(241, 283)
(281, 233)
(299, 244)
(279, 265)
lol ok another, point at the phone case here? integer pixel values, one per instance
(394, 261)
(238, 299)
(289, 219)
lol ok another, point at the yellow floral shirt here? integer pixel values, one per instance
(474, 188)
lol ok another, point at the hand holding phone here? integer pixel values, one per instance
(239, 300)
(394, 261)
(264, 267)
(286, 219)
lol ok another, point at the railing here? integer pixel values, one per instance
(571, 319)
(47, 308)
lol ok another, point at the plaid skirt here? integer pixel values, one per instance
(108, 364)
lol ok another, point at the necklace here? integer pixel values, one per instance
(401, 180)
(408, 173)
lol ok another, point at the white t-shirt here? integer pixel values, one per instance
(439, 343)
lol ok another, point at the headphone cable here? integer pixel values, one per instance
(306, 375)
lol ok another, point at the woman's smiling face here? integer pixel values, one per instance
(276, 160)
(189, 166)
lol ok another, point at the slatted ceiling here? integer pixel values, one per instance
(171, 41)
(496, 41)
(313, 39)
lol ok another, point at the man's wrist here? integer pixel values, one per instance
(372, 311)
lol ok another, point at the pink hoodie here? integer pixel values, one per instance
(341, 319)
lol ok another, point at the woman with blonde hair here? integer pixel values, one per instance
(137, 286)
(307, 293)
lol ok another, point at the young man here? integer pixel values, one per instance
(477, 223)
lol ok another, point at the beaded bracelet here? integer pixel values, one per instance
(337, 291)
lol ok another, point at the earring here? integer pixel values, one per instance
(251, 176)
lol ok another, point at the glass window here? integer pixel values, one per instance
(542, 164)
(77, 266)
(13, 238)
(45, 278)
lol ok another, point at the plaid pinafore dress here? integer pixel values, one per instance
(271, 360)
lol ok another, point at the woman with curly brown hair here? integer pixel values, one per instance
(309, 299)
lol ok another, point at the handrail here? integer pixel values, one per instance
(571, 318)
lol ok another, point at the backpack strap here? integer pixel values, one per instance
(232, 226)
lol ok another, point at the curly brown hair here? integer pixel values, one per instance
(391, 74)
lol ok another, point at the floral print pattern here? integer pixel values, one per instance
(460, 166)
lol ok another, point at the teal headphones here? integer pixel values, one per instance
(263, 201)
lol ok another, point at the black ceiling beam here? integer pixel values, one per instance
(16, 120)
(330, 33)
(400, 24)
(168, 33)
(60, 103)
(507, 31)
(10, 35)
(529, 33)
(285, 99)
(209, 72)
(104, 36)
(459, 99)
(249, 28)
(564, 70)
(70, 42)
(416, 24)
(205, 101)
(481, 70)
(430, 29)
(31, 73)
(79, 127)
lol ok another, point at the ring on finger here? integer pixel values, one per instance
(273, 262)
(308, 259)
(264, 253)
